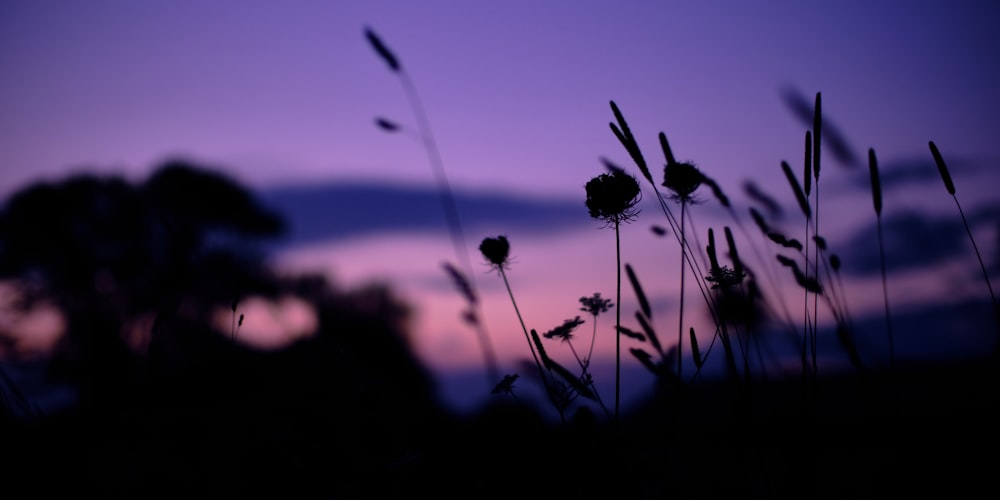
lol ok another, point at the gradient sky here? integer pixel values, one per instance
(283, 94)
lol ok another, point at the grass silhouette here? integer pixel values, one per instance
(351, 412)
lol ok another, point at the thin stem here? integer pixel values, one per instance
(680, 320)
(450, 208)
(437, 166)
(618, 322)
(807, 331)
(541, 371)
(519, 318)
(986, 275)
(885, 294)
(816, 276)
(769, 272)
(593, 338)
(583, 377)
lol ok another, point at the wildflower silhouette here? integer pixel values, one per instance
(564, 331)
(497, 250)
(595, 305)
(682, 179)
(506, 386)
(612, 197)
(724, 277)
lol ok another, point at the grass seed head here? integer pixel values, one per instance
(382, 50)
(876, 183)
(942, 168)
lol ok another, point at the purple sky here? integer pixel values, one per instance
(284, 93)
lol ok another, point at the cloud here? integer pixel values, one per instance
(898, 173)
(912, 241)
(339, 211)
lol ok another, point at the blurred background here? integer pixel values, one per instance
(281, 98)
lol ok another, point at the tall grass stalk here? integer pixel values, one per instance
(950, 186)
(624, 135)
(808, 324)
(437, 167)
(877, 204)
(816, 149)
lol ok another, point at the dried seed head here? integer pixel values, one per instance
(495, 250)
(382, 50)
(612, 197)
(682, 179)
(595, 305)
(386, 125)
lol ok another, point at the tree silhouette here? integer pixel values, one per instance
(158, 259)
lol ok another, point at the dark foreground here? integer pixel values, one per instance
(857, 436)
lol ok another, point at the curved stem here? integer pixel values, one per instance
(975, 247)
(527, 337)
(593, 338)
(450, 209)
(885, 294)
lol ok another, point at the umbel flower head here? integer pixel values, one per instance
(595, 304)
(495, 250)
(682, 179)
(612, 197)
(565, 330)
(724, 277)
